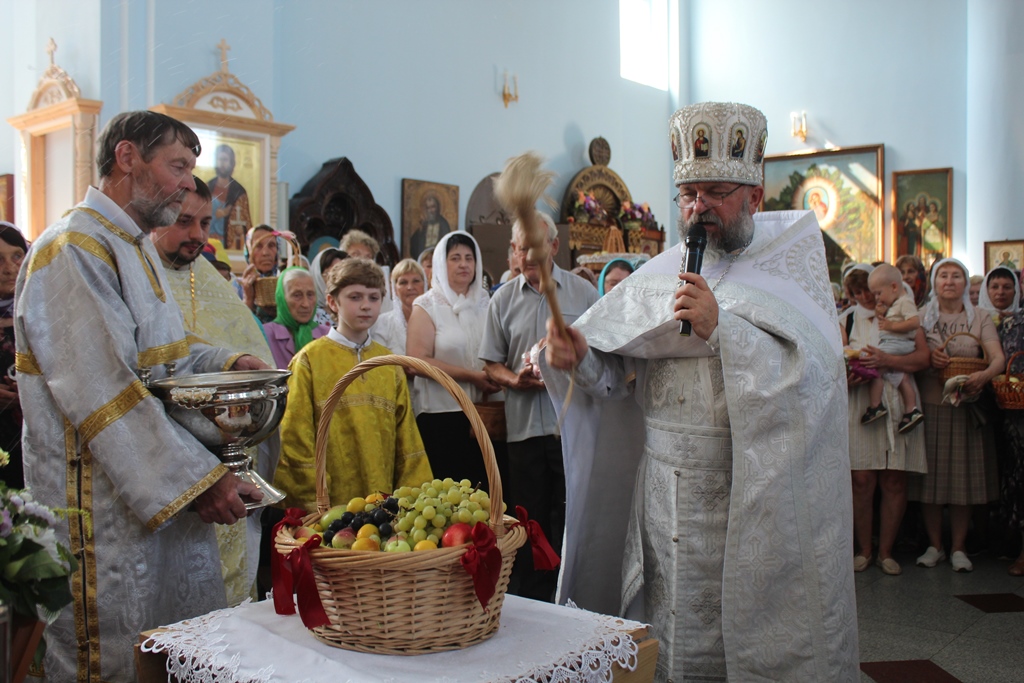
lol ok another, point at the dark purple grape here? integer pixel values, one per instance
(380, 516)
(385, 529)
(391, 505)
(328, 535)
(336, 526)
(347, 518)
(357, 523)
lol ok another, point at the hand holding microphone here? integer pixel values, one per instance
(693, 258)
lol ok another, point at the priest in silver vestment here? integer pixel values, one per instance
(94, 320)
(213, 312)
(736, 533)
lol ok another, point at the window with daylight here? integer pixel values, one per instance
(643, 42)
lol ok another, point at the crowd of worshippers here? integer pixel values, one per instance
(912, 435)
(902, 324)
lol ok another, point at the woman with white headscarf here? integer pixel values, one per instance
(880, 456)
(958, 437)
(1000, 293)
(445, 330)
(318, 268)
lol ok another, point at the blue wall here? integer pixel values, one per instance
(412, 89)
(865, 72)
(404, 89)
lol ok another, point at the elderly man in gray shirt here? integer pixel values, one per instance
(515, 322)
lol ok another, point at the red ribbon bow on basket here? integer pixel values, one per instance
(544, 556)
(482, 561)
(296, 569)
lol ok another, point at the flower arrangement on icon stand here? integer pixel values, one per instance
(34, 570)
(586, 209)
(633, 215)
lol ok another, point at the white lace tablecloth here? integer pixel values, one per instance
(536, 642)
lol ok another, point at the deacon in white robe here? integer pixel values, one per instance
(738, 531)
(213, 312)
(93, 318)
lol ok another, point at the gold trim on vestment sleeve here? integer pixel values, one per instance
(114, 410)
(150, 268)
(231, 361)
(26, 364)
(76, 544)
(184, 499)
(105, 222)
(193, 339)
(147, 263)
(92, 610)
(43, 256)
(160, 355)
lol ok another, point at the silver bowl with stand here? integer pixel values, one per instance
(229, 412)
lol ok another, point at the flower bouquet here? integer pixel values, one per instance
(586, 209)
(633, 215)
(34, 567)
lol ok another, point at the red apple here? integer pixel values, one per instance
(457, 534)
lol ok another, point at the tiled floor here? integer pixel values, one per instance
(914, 627)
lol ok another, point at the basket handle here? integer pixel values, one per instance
(984, 353)
(1009, 362)
(422, 368)
(295, 257)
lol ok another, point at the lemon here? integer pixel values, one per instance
(367, 530)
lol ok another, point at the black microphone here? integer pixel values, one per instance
(693, 259)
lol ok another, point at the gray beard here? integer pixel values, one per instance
(729, 237)
(154, 214)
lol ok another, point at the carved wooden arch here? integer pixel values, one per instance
(56, 104)
(223, 104)
(599, 180)
(336, 200)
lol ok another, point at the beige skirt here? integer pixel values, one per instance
(878, 445)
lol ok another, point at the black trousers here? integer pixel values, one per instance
(538, 484)
(452, 450)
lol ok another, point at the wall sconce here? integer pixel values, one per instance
(513, 95)
(798, 125)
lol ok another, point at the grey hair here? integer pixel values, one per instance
(291, 275)
(517, 228)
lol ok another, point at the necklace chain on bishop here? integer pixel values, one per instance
(732, 259)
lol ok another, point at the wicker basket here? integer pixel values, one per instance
(492, 414)
(405, 603)
(266, 292)
(961, 365)
(1010, 395)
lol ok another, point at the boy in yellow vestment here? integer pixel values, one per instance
(373, 444)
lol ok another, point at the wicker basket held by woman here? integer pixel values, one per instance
(266, 287)
(960, 365)
(403, 603)
(1009, 387)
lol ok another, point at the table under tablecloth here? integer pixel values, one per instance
(536, 642)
